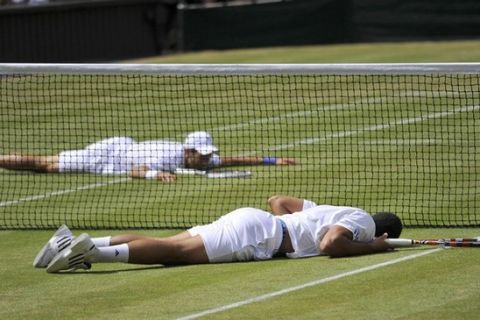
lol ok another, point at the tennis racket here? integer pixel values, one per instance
(456, 242)
(214, 174)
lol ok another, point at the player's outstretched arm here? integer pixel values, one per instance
(144, 172)
(284, 205)
(255, 161)
(338, 242)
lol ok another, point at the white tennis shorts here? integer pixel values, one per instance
(104, 157)
(241, 235)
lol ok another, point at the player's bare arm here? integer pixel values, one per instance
(280, 205)
(338, 242)
(144, 172)
(252, 161)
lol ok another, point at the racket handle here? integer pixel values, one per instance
(400, 243)
(190, 172)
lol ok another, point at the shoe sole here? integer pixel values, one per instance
(77, 253)
(38, 261)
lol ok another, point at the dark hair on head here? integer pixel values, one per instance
(389, 223)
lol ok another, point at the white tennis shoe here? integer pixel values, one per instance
(75, 256)
(58, 242)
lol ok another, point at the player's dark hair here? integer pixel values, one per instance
(389, 223)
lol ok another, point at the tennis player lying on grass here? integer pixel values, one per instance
(297, 228)
(156, 159)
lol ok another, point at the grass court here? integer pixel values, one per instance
(415, 283)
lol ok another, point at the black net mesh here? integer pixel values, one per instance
(408, 144)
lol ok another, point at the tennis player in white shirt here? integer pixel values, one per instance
(156, 159)
(297, 228)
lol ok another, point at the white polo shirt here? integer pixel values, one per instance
(308, 227)
(118, 155)
(161, 155)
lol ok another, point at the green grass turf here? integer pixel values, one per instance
(438, 51)
(442, 285)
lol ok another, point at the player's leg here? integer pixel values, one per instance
(83, 251)
(48, 164)
(126, 238)
(146, 249)
(63, 237)
(190, 250)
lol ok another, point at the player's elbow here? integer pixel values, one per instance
(277, 205)
(334, 246)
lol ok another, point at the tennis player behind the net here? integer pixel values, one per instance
(297, 228)
(156, 159)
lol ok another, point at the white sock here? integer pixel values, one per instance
(118, 253)
(102, 241)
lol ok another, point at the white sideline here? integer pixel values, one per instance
(377, 127)
(306, 285)
(286, 116)
(331, 107)
(62, 192)
(313, 140)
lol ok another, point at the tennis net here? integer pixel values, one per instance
(403, 138)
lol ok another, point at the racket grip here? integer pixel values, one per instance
(190, 171)
(399, 243)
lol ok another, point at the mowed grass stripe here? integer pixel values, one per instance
(307, 285)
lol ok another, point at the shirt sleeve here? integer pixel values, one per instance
(361, 225)
(307, 204)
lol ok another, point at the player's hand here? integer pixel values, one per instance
(286, 161)
(379, 244)
(166, 177)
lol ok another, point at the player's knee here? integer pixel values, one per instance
(49, 164)
(52, 168)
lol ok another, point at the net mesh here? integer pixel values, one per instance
(408, 144)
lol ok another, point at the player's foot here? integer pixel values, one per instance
(59, 241)
(75, 256)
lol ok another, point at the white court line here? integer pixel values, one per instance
(338, 106)
(61, 192)
(283, 117)
(306, 285)
(342, 134)
(398, 142)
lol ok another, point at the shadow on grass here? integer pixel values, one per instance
(153, 267)
(137, 269)
(83, 272)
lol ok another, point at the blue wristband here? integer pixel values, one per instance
(270, 160)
